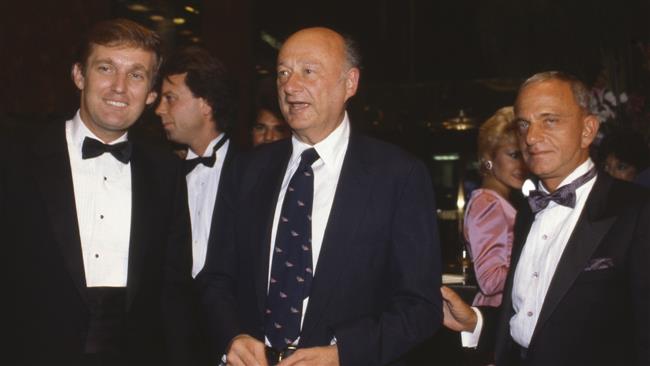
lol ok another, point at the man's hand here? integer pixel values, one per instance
(245, 350)
(315, 356)
(458, 315)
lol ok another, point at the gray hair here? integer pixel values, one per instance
(578, 88)
(352, 54)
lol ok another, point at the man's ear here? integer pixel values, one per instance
(78, 76)
(590, 125)
(351, 82)
(206, 110)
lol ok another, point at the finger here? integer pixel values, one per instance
(248, 357)
(449, 294)
(233, 360)
(260, 354)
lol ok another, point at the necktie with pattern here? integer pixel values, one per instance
(291, 269)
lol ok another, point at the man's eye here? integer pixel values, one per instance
(103, 68)
(283, 73)
(523, 125)
(137, 76)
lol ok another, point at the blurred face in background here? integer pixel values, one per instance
(186, 118)
(269, 127)
(508, 165)
(619, 169)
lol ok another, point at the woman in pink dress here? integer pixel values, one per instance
(490, 216)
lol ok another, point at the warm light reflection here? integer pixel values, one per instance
(179, 21)
(138, 7)
(157, 18)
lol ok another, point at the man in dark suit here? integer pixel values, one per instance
(333, 247)
(197, 109)
(96, 254)
(579, 292)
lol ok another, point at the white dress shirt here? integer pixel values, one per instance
(202, 189)
(547, 238)
(102, 192)
(544, 246)
(326, 176)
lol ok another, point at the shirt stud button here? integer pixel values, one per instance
(530, 313)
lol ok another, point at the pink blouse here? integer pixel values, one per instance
(489, 222)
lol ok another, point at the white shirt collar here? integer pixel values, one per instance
(329, 148)
(208, 150)
(583, 168)
(79, 132)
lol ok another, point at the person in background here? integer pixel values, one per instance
(197, 109)
(490, 215)
(624, 154)
(269, 124)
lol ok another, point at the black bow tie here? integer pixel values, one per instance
(208, 161)
(565, 195)
(92, 148)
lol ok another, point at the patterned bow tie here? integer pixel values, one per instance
(208, 161)
(92, 148)
(565, 195)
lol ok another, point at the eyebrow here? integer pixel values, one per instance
(136, 66)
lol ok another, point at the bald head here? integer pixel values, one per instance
(315, 79)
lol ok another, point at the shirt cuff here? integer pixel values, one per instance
(470, 339)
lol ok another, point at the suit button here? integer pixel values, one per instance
(530, 313)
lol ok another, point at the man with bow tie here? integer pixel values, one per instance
(96, 254)
(197, 109)
(579, 291)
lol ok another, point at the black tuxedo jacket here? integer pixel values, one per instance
(44, 309)
(376, 286)
(206, 353)
(597, 308)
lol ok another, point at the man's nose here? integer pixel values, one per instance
(119, 82)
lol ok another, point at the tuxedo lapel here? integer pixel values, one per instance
(143, 206)
(225, 170)
(587, 235)
(53, 175)
(269, 183)
(348, 208)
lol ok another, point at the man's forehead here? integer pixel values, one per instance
(137, 55)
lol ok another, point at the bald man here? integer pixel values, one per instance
(332, 256)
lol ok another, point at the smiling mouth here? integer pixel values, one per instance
(117, 104)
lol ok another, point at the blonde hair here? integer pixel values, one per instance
(496, 130)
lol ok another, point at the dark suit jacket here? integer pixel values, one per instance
(205, 346)
(45, 311)
(376, 286)
(597, 308)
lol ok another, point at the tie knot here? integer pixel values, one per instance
(308, 157)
